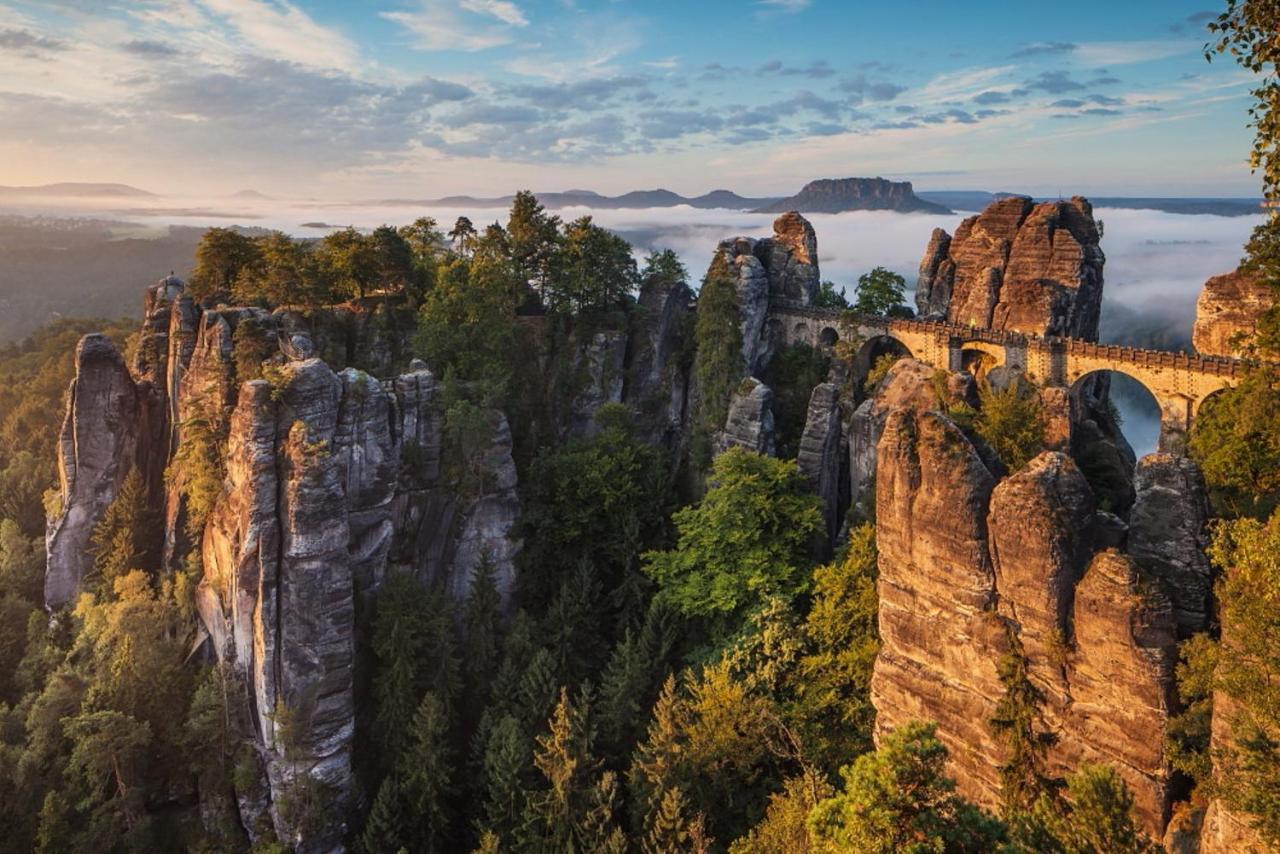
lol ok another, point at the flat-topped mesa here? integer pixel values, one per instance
(1228, 312)
(836, 195)
(1020, 266)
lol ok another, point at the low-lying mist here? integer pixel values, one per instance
(1156, 262)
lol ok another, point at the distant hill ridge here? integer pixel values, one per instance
(837, 195)
(73, 189)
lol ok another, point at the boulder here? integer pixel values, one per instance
(1228, 311)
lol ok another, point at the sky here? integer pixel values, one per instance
(378, 99)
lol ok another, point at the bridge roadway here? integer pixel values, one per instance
(1179, 382)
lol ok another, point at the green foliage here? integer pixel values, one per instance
(126, 536)
(463, 235)
(1236, 440)
(899, 799)
(1246, 766)
(598, 500)
(349, 262)
(1095, 816)
(833, 680)
(467, 321)
(533, 238)
(412, 643)
(1011, 421)
(196, 469)
(1247, 31)
(665, 266)
(792, 374)
(1018, 724)
(829, 297)
(880, 370)
(597, 270)
(250, 347)
(747, 540)
(426, 772)
(717, 365)
(881, 292)
(785, 826)
(222, 256)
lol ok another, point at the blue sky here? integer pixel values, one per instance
(427, 97)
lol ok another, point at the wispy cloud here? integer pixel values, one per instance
(280, 29)
(1129, 53)
(472, 25)
(783, 5)
(1043, 49)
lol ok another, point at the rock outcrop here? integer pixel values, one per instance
(909, 384)
(1228, 311)
(1021, 266)
(657, 383)
(750, 421)
(781, 267)
(836, 195)
(1168, 536)
(974, 568)
(820, 450)
(939, 632)
(97, 449)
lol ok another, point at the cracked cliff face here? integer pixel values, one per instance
(1227, 313)
(330, 480)
(1021, 266)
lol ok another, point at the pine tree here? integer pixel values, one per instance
(126, 537)
(571, 627)
(669, 827)
(426, 769)
(481, 627)
(508, 763)
(384, 828)
(536, 692)
(555, 816)
(657, 766)
(599, 830)
(1018, 723)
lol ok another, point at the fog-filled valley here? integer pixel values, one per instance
(92, 258)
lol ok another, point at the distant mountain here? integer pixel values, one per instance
(837, 195)
(251, 194)
(635, 199)
(76, 190)
(976, 200)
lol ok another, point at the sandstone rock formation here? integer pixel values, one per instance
(1168, 536)
(599, 364)
(784, 266)
(750, 420)
(1021, 266)
(909, 384)
(974, 568)
(657, 384)
(819, 456)
(97, 449)
(939, 634)
(834, 195)
(1228, 311)
(1121, 684)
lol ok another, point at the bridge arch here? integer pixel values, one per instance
(828, 337)
(980, 357)
(872, 350)
(1145, 419)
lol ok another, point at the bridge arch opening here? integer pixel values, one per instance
(873, 359)
(977, 362)
(828, 337)
(1116, 421)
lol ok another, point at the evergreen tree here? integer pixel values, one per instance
(463, 235)
(221, 256)
(669, 826)
(1095, 816)
(899, 798)
(481, 637)
(657, 764)
(384, 829)
(426, 770)
(718, 366)
(126, 537)
(508, 763)
(1011, 421)
(556, 816)
(534, 240)
(1018, 723)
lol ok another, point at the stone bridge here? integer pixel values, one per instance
(1180, 383)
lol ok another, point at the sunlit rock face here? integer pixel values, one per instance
(1228, 311)
(781, 267)
(1020, 266)
(97, 449)
(975, 567)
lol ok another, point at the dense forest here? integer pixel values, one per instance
(683, 670)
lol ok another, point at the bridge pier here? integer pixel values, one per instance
(1175, 425)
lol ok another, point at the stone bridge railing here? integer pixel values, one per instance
(1179, 382)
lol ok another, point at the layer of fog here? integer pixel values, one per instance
(1156, 262)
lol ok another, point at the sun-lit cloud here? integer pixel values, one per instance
(281, 29)
(1127, 53)
(472, 25)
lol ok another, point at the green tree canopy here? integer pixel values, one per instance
(881, 292)
(747, 540)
